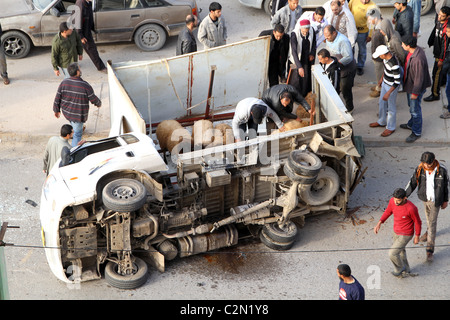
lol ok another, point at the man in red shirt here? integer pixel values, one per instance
(406, 220)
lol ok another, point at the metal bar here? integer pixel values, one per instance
(210, 88)
(4, 291)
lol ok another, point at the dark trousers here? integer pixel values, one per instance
(91, 49)
(248, 129)
(346, 85)
(438, 79)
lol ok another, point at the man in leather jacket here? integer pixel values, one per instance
(281, 97)
(434, 194)
(186, 41)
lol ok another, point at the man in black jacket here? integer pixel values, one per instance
(431, 178)
(281, 97)
(438, 40)
(186, 41)
(278, 54)
(331, 68)
(84, 23)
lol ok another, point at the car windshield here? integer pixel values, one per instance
(41, 4)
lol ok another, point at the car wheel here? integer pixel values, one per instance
(304, 162)
(124, 195)
(150, 37)
(267, 5)
(15, 44)
(322, 190)
(284, 234)
(131, 281)
(426, 7)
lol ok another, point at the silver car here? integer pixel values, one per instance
(309, 4)
(147, 22)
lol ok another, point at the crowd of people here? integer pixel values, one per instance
(338, 34)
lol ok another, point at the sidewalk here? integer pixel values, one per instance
(435, 131)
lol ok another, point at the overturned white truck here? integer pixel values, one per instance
(114, 200)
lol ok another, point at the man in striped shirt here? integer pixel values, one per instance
(389, 88)
(73, 98)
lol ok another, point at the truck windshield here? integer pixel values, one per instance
(42, 4)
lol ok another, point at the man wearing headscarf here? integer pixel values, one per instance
(302, 55)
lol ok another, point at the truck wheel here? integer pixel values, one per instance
(289, 172)
(137, 279)
(322, 190)
(150, 37)
(304, 162)
(284, 234)
(124, 195)
(15, 44)
(279, 246)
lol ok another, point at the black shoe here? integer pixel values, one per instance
(360, 71)
(431, 97)
(405, 126)
(412, 138)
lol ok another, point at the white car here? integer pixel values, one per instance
(311, 4)
(74, 203)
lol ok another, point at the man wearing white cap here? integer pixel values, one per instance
(302, 55)
(389, 88)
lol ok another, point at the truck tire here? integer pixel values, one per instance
(150, 37)
(322, 190)
(124, 195)
(289, 172)
(279, 246)
(304, 162)
(127, 281)
(276, 233)
(15, 44)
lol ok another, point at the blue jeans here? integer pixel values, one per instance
(77, 132)
(362, 49)
(415, 109)
(65, 72)
(387, 112)
(447, 91)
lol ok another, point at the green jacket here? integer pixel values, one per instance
(66, 50)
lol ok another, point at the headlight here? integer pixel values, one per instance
(47, 185)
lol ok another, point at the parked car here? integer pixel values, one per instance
(146, 22)
(310, 4)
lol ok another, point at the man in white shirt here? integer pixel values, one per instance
(248, 115)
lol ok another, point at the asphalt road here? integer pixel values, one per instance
(249, 271)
